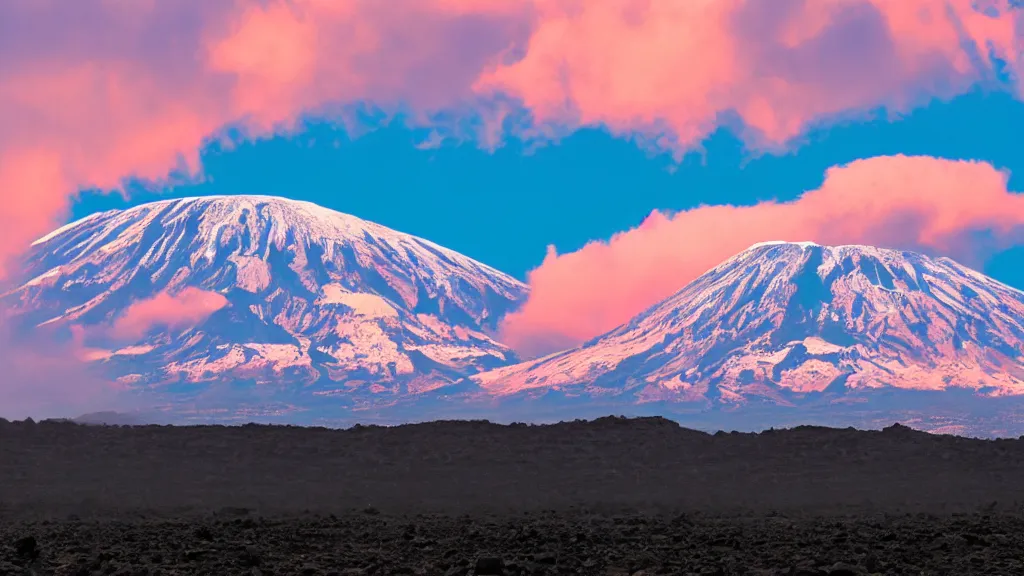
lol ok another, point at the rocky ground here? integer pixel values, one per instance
(539, 543)
(612, 496)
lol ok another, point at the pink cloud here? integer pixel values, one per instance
(93, 91)
(44, 377)
(48, 376)
(673, 68)
(904, 202)
(184, 309)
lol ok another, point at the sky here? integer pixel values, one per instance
(505, 207)
(605, 152)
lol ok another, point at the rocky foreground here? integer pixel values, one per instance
(541, 543)
(612, 496)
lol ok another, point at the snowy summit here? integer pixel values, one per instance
(313, 296)
(783, 320)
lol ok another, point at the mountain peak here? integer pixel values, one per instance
(219, 212)
(844, 249)
(246, 226)
(805, 244)
(783, 320)
(313, 296)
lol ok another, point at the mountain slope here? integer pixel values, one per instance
(782, 322)
(314, 296)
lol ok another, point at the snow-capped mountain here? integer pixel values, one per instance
(785, 322)
(306, 295)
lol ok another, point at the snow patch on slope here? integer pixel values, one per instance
(362, 304)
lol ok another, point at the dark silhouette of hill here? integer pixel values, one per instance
(59, 468)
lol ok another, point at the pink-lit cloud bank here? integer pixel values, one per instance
(93, 91)
(922, 203)
(44, 377)
(178, 311)
(781, 65)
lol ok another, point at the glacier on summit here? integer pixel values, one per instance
(338, 306)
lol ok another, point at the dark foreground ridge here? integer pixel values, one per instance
(610, 496)
(480, 467)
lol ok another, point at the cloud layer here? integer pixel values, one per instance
(957, 208)
(184, 309)
(43, 377)
(46, 376)
(675, 67)
(93, 91)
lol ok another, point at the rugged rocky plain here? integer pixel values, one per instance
(610, 496)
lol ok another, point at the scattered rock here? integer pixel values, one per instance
(545, 558)
(26, 548)
(252, 555)
(844, 569)
(489, 566)
(805, 571)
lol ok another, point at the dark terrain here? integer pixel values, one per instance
(611, 496)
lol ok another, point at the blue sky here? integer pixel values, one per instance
(504, 207)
